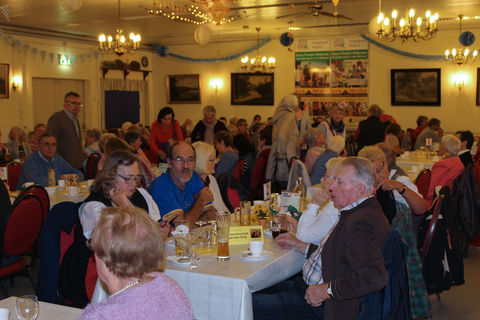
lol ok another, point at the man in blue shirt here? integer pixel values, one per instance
(179, 193)
(36, 166)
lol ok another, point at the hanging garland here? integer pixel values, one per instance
(403, 53)
(163, 51)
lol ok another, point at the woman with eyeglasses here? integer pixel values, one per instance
(205, 167)
(116, 185)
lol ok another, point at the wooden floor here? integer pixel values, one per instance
(458, 303)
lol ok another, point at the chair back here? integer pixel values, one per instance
(13, 172)
(298, 170)
(92, 165)
(41, 193)
(435, 214)
(231, 191)
(151, 156)
(257, 178)
(423, 182)
(23, 226)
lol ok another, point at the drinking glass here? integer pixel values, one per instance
(184, 243)
(223, 232)
(27, 307)
(245, 213)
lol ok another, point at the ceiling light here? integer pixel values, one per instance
(462, 55)
(258, 63)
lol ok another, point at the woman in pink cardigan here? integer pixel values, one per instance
(164, 132)
(128, 249)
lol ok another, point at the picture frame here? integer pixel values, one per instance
(415, 87)
(252, 89)
(183, 89)
(4, 80)
(477, 98)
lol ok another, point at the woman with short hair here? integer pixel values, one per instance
(164, 132)
(205, 167)
(128, 251)
(335, 146)
(315, 142)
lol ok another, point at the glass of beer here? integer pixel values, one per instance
(223, 231)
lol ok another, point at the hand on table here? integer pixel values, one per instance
(321, 197)
(119, 198)
(289, 241)
(316, 294)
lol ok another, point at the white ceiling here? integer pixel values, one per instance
(96, 16)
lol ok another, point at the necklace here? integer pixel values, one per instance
(131, 285)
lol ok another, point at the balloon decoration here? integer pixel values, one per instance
(162, 51)
(202, 35)
(71, 5)
(286, 39)
(466, 38)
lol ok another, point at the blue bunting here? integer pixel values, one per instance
(163, 51)
(403, 53)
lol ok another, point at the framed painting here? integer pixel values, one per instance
(253, 89)
(4, 80)
(415, 87)
(477, 99)
(183, 88)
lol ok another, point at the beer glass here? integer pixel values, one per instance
(245, 213)
(223, 232)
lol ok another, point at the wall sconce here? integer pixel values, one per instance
(216, 83)
(17, 81)
(459, 80)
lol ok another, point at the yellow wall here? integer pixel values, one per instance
(458, 110)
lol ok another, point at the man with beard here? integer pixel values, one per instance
(179, 192)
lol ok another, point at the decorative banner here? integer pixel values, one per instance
(43, 53)
(332, 71)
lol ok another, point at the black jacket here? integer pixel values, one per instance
(371, 131)
(198, 133)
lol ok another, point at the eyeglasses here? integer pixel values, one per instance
(130, 179)
(331, 177)
(75, 103)
(181, 160)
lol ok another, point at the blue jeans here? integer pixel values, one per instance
(285, 300)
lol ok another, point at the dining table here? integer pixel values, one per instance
(223, 289)
(47, 311)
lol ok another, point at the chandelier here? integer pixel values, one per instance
(462, 55)
(119, 44)
(258, 63)
(408, 27)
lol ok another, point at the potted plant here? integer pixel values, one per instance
(262, 216)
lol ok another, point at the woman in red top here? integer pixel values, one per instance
(164, 132)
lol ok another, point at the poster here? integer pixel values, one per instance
(332, 71)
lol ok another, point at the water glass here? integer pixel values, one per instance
(27, 307)
(245, 213)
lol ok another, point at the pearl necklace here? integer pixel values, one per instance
(131, 285)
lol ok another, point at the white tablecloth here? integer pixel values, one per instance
(223, 290)
(48, 311)
(61, 195)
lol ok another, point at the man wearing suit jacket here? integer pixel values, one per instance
(348, 266)
(466, 137)
(65, 127)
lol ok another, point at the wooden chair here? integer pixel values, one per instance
(22, 230)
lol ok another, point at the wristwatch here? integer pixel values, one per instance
(329, 290)
(403, 190)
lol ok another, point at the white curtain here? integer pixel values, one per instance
(126, 85)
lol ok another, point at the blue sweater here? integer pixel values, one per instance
(226, 164)
(319, 169)
(35, 169)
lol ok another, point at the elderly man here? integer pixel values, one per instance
(432, 131)
(348, 266)
(37, 165)
(179, 192)
(66, 129)
(206, 129)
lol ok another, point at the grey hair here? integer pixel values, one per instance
(310, 136)
(372, 153)
(333, 163)
(290, 102)
(374, 110)
(334, 107)
(336, 144)
(451, 143)
(363, 170)
(209, 110)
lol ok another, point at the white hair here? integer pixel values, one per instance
(209, 110)
(290, 101)
(336, 144)
(451, 143)
(333, 163)
(363, 170)
(310, 136)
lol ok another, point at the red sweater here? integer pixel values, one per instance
(160, 136)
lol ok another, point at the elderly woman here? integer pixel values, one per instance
(164, 132)
(128, 253)
(205, 167)
(285, 137)
(334, 125)
(445, 171)
(315, 142)
(335, 146)
(398, 201)
(17, 146)
(116, 185)
(392, 137)
(320, 217)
